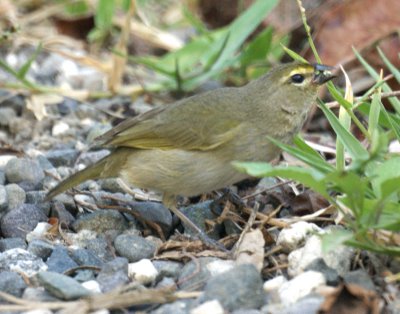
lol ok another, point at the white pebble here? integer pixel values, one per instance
(219, 266)
(143, 271)
(272, 287)
(208, 307)
(92, 285)
(39, 232)
(59, 128)
(294, 236)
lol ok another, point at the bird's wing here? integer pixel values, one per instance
(176, 127)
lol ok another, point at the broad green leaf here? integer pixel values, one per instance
(104, 14)
(386, 171)
(257, 49)
(332, 240)
(352, 145)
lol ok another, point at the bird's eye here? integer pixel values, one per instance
(297, 78)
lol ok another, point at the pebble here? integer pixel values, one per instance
(101, 221)
(300, 286)
(209, 307)
(38, 294)
(294, 236)
(133, 247)
(330, 274)
(38, 198)
(12, 283)
(3, 198)
(2, 177)
(59, 261)
(62, 157)
(168, 268)
(6, 115)
(12, 243)
(85, 257)
(272, 286)
(60, 128)
(142, 271)
(195, 274)
(26, 217)
(23, 169)
(154, 212)
(59, 211)
(40, 248)
(39, 232)
(113, 274)
(241, 287)
(359, 278)
(21, 261)
(177, 307)
(61, 286)
(92, 285)
(16, 196)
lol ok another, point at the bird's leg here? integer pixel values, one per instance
(170, 202)
(229, 195)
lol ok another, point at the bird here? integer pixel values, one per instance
(187, 148)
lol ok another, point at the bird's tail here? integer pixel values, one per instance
(106, 167)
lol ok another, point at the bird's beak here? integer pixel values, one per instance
(322, 74)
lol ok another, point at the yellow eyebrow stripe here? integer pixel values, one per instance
(302, 70)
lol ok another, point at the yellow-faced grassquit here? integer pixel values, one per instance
(186, 148)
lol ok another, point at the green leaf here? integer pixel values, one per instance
(27, 65)
(374, 113)
(257, 49)
(332, 240)
(390, 66)
(104, 14)
(339, 98)
(307, 176)
(352, 145)
(382, 175)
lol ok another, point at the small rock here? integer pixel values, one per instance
(111, 185)
(62, 157)
(220, 266)
(38, 198)
(59, 128)
(310, 304)
(168, 268)
(59, 211)
(272, 286)
(167, 283)
(154, 212)
(86, 258)
(62, 286)
(101, 221)
(92, 285)
(2, 177)
(330, 274)
(208, 307)
(6, 115)
(360, 278)
(240, 287)
(198, 214)
(60, 261)
(133, 247)
(177, 307)
(40, 248)
(16, 196)
(3, 198)
(89, 158)
(300, 286)
(38, 294)
(67, 106)
(26, 217)
(195, 274)
(83, 275)
(39, 232)
(23, 169)
(142, 271)
(12, 283)
(294, 236)
(21, 261)
(12, 243)
(113, 274)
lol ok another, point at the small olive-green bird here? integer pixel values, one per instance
(187, 148)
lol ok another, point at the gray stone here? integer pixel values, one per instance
(45, 164)
(238, 288)
(59, 211)
(100, 247)
(60, 261)
(3, 198)
(6, 115)
(62, 286)
(62, 157)
(38, 294)
(12, 243)
(111, 185)
(133, 247)
(85, 257)
(101, 221)
(330, 274)
(23, 169)
(113, 274)
(154, 212)
(26, 217)
(67, 106)
(195, 274)
(41, 248)
(38, 198)
(177, 307)
(2, 177)
(91, 157)
(84, 275)
(12, 283)
(310, 304)
(16, 195)
(21, 261)
(198, 214)
(360, 278)
(168, 268)
(167, 283)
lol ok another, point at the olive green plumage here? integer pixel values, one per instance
(186, 148)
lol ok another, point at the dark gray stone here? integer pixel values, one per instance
(61, 286)
(238, 288)
(15, 194)
(198, 214)
(133, 247)
(195, 274)
(85, 257)
(330, 274)
(3, 198)
(12, 283)
(360, 278)
(59, 211)
(12, 243)
(62, 157)
(41, 248)
(67, 106)
(23, 169)
(100, 247)
(38, 198)
(113, 274)
(60, 261)
(154, 212)
(168, 268)
(26, 217)
(101, 221)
